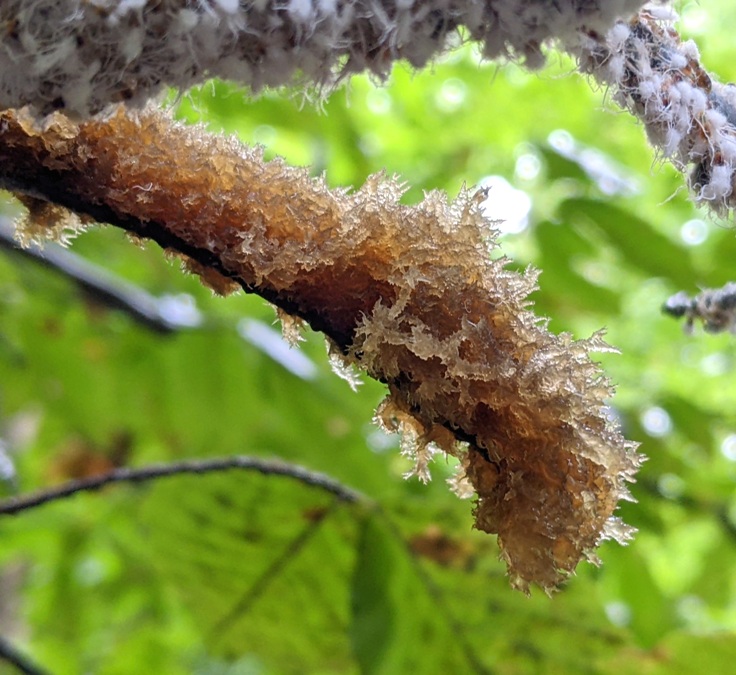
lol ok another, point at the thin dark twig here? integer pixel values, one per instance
(9, 654)
(98, 283)
(267, 467)
(260, 585)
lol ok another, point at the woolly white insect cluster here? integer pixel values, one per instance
(715, 307)
(80, 55)
(689, 117)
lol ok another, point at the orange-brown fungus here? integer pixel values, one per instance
(407, 293)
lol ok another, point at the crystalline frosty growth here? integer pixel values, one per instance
(82, 55)
(408, 294)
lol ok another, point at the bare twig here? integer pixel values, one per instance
(267, 467)
(97, 282)
(9, 654)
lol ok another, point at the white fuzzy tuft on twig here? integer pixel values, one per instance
(689, 117)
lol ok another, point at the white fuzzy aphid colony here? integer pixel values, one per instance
(689, 118)
(715, 307)
(80, 55)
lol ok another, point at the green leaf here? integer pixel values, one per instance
(632, 583)
(561, 285)
(397, 613)
(680, 654)
(637, 242)
(374, 609)
(248, 553)
(559, 166)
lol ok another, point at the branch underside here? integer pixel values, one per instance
(407, 293)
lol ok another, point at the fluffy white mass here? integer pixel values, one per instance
(80, 55)
(689, 117)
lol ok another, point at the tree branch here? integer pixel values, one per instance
(689, 117)
(20, 662)
(80, 56)
(96, 282)
(409, 294)
(16, 505)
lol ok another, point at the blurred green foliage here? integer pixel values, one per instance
(241, 573)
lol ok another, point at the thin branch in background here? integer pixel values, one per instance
(715, 307)
(267, 467)
(9, 654)
(105, 288)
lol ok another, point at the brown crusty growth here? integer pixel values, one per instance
(409, 294)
